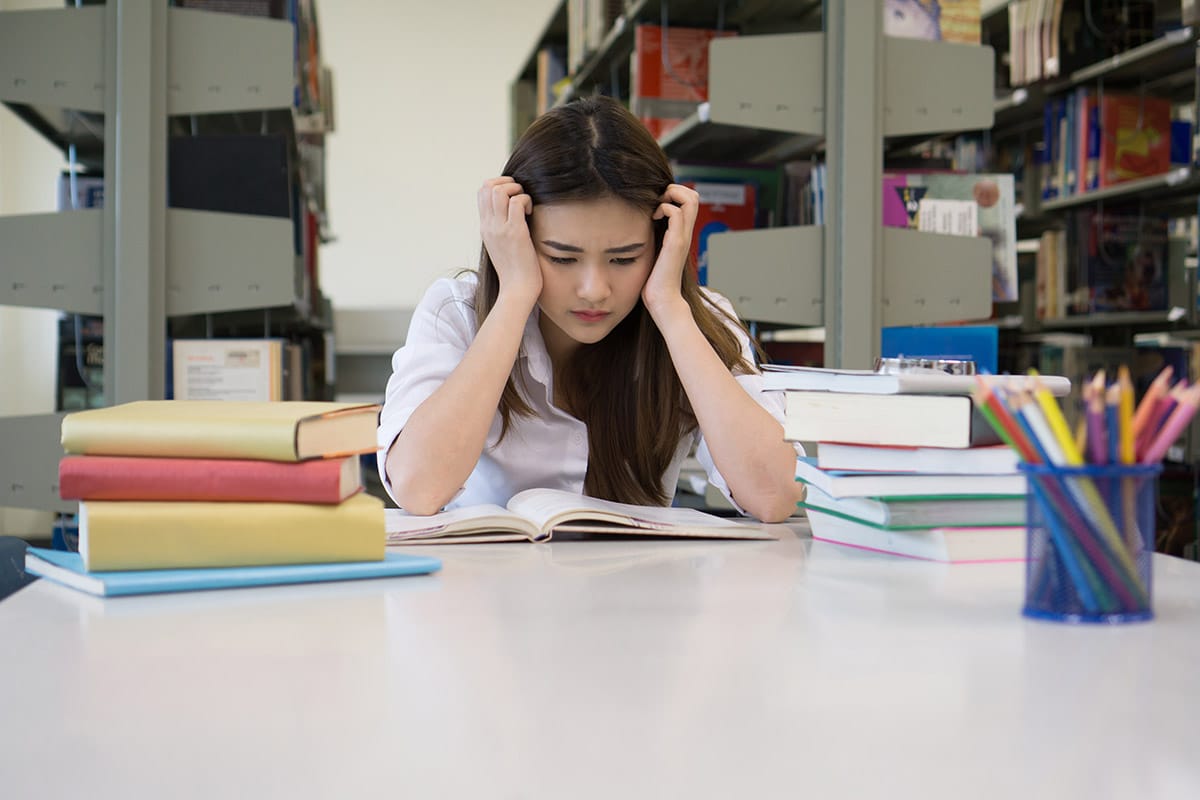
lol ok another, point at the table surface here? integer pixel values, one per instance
(589, 669)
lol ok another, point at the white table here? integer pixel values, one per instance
(593, 669)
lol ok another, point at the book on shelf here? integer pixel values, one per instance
(666, 88)
(723, 207)
(534, 515)
(934, 20)
(80, 378)
(1135, 137)
(1122, 260)
(850, 483)
(67, 569)
(551, 73)
(996, 459)
(962, 205)
(916, 381)
(279, 431)
(953, 545)
(229, 369)
(322, 480)
(132, 535)
(920, 511)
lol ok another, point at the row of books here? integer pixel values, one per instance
(268, 368)
(904, 464)
(1109, 260)
(191, 494)
(1051, 38)
(1094, 139)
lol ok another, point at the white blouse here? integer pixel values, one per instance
(547, 450)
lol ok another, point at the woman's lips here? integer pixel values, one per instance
(591, 316)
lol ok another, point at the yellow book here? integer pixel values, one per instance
(270, 431)
(123, 535)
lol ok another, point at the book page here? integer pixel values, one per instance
(473, 521)
(553, 508)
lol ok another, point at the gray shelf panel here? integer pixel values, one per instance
(932, 277)
(931, 87)
(772, 274)
(53, 57)
(31, 480)
(53, 260)
(1179, 180)
(699, 138)
(743, 85)
(227, 62)
(222, 262)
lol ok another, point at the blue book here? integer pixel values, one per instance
(67, 569)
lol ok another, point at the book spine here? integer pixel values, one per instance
(196, 479)
(254, 439)
(178, 535)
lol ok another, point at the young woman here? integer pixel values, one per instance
(582, 355)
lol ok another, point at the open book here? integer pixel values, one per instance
(534, 514)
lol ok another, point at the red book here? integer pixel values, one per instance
(663, 94)
(1135, 137)
(323, 481)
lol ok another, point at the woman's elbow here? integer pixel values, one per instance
(776, 506)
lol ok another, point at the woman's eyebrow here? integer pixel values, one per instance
(570, 248)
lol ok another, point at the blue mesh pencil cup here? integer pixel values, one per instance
(1090, 542)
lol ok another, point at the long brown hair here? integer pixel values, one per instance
(624, 387)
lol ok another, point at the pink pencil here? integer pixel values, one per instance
(1174, 426)
(1157, 389)
(1166, 404)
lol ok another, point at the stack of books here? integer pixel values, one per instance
(191, 494)
(905, 463)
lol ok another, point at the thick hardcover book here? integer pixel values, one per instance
(124, 535)
(68, 569)
(536, 514)
(920, 512)
(327, 481)
(913, 420)
(952, 545)
(283, 431)
(889, 484)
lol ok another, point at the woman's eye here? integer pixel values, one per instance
(560, 260)
(624, 262)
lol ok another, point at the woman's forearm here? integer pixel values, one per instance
(441, 442)
(745, 441)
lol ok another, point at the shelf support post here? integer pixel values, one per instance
(135, 159)
(854, 157)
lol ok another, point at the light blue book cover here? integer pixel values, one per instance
(67, 569)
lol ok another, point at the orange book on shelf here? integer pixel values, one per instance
(1135, 137)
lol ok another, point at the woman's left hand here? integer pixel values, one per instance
(679, 205)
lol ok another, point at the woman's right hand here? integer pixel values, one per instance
(503, 211)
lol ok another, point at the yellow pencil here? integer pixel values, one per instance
(1056, 421)
(1125, 414)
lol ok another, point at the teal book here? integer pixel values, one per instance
(67, 569)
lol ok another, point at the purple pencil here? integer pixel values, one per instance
(1166, 404)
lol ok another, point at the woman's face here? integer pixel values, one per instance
(595, 257)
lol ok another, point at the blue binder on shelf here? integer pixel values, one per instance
(978, 343)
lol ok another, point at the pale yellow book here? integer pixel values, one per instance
(270, 431)
(125, 535)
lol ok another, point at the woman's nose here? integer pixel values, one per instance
(593, 284)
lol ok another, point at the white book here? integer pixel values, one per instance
(886, 484)
(535, 514)
(865, 381)
(951, 545)
(228, 369)
(987, 460)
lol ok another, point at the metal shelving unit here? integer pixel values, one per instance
(104, 79)
(781, 91)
